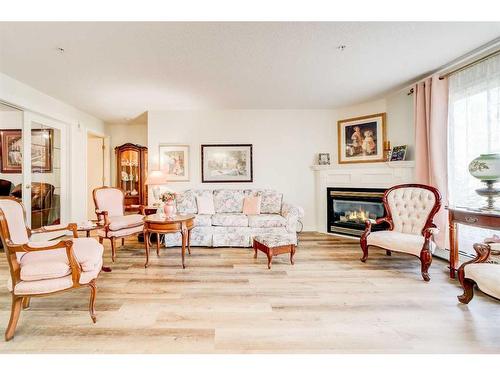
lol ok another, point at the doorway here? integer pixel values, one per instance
(96, 146)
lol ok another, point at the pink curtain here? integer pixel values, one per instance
(431, 143)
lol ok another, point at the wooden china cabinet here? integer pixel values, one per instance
(131, 172)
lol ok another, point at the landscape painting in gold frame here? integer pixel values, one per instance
(361, 139)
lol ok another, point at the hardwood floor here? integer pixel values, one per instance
(227, 302)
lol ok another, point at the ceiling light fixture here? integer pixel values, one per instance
(342, 47)
(60, 49)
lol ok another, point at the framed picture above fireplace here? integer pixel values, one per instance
(361, 139)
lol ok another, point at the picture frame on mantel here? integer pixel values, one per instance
(361, 139)
(227, 163)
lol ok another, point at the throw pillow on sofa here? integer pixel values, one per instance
(205, 205)
(251, 205)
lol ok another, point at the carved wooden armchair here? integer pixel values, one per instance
(44, 268)
(410, 210)
(110, 210)
(477, 272)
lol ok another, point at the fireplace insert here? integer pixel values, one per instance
(349, 208)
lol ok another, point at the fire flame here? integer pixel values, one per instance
(360, 215)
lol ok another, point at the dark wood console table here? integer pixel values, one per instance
(471, 217)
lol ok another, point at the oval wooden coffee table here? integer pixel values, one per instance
(161, 225)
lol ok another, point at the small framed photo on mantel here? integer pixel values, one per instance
(324, 159)
(398, 153)
(361, 139)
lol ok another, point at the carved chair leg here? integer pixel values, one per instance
(123, 241)
(292, 253)
(468, 286)
(15, 311)
(426, 260)
(93, 291)
(255, 250)
(113, 249)
(364, 247)
(388, 253)
(26, 303)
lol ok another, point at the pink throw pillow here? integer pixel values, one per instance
(205, 205)
(251, 205)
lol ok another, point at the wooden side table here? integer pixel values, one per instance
(161, 225)
(471, 217)
(96, 225)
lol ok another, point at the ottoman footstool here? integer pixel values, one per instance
(274, 245)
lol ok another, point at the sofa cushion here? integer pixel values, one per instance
(186, 202)
(231, 236)
(230, 220)
(203, 220)
(403, 242)
(270, 200)
(228, 201)
(266, 221)
(486, 276)
(126, 221)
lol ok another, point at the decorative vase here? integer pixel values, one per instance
(169, 209)
(486, 167)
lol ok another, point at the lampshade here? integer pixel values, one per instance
(156, 178)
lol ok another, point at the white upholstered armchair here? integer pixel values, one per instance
(410, 210)
(110, 210)
(478, 272)
(43, 268)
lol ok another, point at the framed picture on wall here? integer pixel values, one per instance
(226, 163)
(11, 150)
(174, 161)
(361, 139)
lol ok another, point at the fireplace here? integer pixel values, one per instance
(349, 208)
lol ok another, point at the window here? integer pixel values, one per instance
(474, 129)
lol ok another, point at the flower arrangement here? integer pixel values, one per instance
(168, 196)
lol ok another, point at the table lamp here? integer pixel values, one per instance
(155, 180)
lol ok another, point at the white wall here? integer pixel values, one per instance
(285, 144)
(28, 98)
(125, 133)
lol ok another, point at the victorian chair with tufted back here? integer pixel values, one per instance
(410, 210)
(110, 210)
(44, 268)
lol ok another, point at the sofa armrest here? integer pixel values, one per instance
(293, 215)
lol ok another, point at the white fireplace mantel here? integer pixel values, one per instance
(362, 175)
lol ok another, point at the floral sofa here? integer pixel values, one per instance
(229, 226)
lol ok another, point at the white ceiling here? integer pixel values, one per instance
(119, 70)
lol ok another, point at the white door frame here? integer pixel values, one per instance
(63, 127)
(106, 160)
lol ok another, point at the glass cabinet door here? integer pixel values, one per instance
(129, 172)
